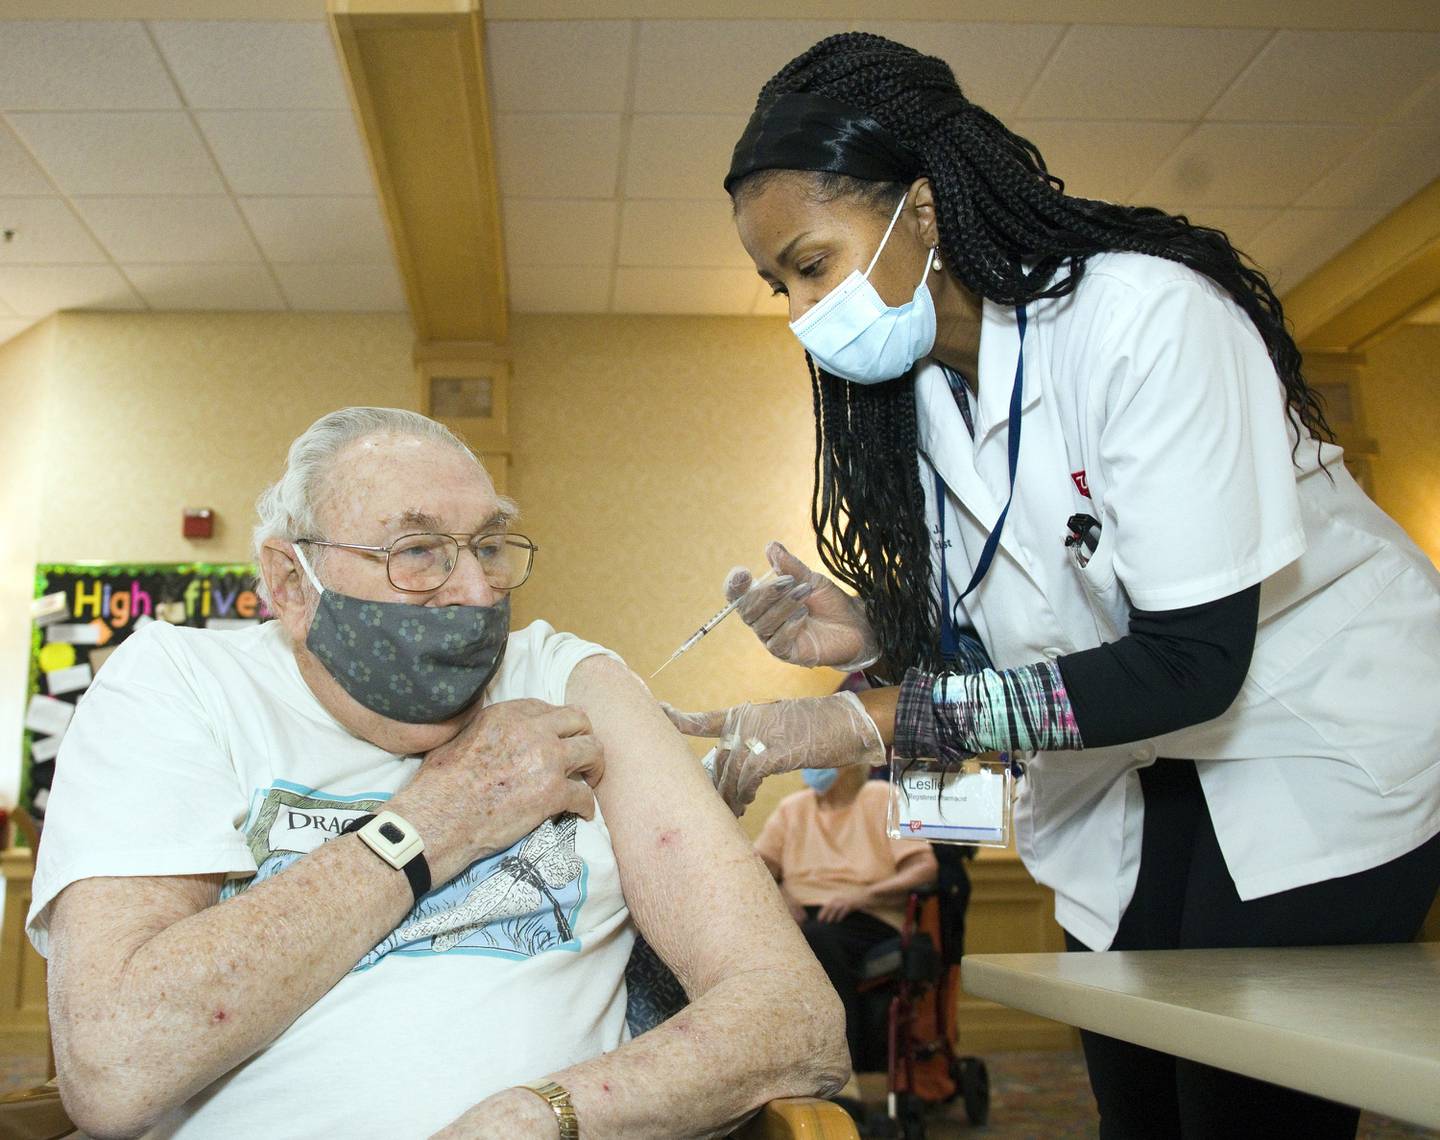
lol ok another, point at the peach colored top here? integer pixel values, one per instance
(824, 852)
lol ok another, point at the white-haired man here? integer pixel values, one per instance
(373, 868)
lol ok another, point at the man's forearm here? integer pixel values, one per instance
(708, 1067)
(189, 1003)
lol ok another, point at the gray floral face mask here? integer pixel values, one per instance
(417, 664)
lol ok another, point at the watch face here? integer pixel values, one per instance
(391, 832)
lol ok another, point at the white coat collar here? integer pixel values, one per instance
(942, 434)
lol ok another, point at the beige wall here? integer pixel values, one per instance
(1400, 387)
(154, 413)
(24, 382)
(651, 454)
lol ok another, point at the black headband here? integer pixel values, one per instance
(814, 132)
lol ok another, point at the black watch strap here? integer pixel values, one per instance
(416, 868)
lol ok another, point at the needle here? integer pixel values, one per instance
(694, 639)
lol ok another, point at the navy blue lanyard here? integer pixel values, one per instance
(949, 639)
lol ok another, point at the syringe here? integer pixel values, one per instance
(694, 639)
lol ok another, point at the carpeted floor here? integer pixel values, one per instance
(1046, 1096)
(1033, 1096)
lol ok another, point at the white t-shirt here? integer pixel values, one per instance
(1149, 402)
(201, 752)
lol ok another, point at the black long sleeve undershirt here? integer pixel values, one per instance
(1173, 669)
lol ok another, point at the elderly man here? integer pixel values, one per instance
(371, 869)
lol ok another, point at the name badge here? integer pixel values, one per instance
(968, 802)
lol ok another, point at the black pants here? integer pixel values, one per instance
(1185, 899)
(841, 948)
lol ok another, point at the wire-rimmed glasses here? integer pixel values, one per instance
(419, 563)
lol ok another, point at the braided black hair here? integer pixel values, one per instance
(1010, 234)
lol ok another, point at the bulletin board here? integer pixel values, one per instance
(83, 611)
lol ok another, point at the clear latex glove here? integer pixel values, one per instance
(759, 740)
(802, 616)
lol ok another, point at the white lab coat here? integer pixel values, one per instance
(1150, 389)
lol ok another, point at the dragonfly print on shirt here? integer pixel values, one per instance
(523, 883)
(514, 904)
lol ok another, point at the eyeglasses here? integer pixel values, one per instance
(419, 563)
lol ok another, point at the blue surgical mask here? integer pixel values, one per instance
(820, 779)
(852, 333)
(411, 663)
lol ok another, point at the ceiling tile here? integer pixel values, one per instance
(706, 291)
(39, 290)
(319, 230)
(680, 156)
(342, 288)
(122, 152)
(1299, 241)
(1390, 166)
(288, 152)
(683, 233)
(559, 231)
(235, 64)
(46, 232)
(556, 289)
(1315, 77)
(1106, 160)
(994, 63)
(1424, 106)
(1240, 223)
(1109, 71)
(18, 172)
(585, 64)
(81, 65)
(557, 156)
(208, 287)
(11, 327)
(1248, 164)
(168, 230)
(716, 66)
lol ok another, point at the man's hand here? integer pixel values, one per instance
(516, 764)
(837, 908)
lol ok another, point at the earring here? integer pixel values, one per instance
(935, 263)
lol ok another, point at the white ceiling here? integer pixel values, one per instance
(187, 164)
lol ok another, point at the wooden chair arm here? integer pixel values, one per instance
(799, 1118)
(35, 1114)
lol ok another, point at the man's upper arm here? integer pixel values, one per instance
(696, 889)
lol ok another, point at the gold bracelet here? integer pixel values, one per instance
(558, 1098)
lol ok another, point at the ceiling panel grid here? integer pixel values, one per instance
(179, 163)
(183, 164)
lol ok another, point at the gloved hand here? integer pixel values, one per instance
(759, 740)
(803, 617)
